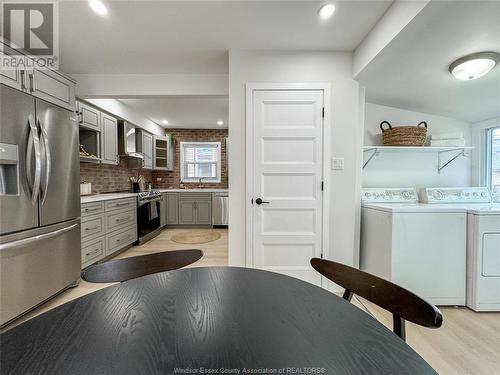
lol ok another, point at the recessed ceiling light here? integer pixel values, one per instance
(220, 123)
(326, 11)
(98, 7)
(164, 122)
(474, 66)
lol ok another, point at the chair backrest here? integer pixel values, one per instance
(402, 303)
(130, 268)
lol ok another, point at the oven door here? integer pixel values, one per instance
(148, 216)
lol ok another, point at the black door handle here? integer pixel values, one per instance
(260, 201)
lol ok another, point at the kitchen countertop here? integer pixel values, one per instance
(110, 196)
(105, 197)
(207, 190)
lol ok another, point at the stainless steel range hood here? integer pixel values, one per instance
(126, 140)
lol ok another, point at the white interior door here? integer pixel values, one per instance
(287, 173)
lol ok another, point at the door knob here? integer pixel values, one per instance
(259, 201)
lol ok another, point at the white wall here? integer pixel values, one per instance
(137, 85)
(397, 17)
(346, 132)
(412, 169)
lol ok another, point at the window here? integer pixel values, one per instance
(200, 160)
(493, 159)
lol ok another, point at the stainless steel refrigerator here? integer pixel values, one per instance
(39, 202)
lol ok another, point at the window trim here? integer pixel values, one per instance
(205, 180)
(488, 165)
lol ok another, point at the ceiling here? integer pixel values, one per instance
(188, 112)
(194, 36)
(412, 71)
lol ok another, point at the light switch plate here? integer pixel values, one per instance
(338, 164)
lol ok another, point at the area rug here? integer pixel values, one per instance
(196, 236)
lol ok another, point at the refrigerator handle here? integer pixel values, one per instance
(44, 138)
(33, 144)
(45, 236)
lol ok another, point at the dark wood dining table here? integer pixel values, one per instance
(211, 320)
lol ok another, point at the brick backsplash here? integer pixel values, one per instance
(173, 178)
(111, 178)
(107, 178)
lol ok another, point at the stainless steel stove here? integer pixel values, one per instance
(148, 215)
(148, 195)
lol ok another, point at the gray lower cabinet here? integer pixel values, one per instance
(172, 209)
(163, 210)
(187, 212)
(204, 212)
(107, 227)
(195, 209)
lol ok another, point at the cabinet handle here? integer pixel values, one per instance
(23, 80)
(122, 204)
(31, 78)
(93, 228)
(124, 219)
(92, 252)
(91, 209)
(123, 238)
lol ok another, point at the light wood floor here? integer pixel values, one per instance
(468, 343)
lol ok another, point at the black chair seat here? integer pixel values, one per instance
(118, 270)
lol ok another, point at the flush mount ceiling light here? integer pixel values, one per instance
(98, 7)
(326, 11)
(474, 66)
(165, 122)
(220, 123)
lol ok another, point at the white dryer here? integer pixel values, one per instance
(483, 243)
(421, 247)
(483, 258)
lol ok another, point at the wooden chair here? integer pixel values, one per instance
(133, 267)
(403, 304)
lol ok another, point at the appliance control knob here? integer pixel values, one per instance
(438, 194)
(367, 194)
(475, 194)
(483, 194)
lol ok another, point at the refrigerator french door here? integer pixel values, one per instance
(39, 202)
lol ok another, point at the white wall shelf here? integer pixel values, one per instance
(443, 153)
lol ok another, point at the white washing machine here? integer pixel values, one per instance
(483, 243)
(421, 247)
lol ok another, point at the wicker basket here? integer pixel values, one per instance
(404, 135)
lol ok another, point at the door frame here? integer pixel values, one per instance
(249, 163)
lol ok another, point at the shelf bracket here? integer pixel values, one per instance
(374, 151)
(442, 165)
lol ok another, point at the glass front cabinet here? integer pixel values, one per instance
(164, 152)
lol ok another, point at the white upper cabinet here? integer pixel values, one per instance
(147, 150)
(52, 87)
(109, 139)
(144, 145)
(15, 77)
(45, 84)
(89, 117)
